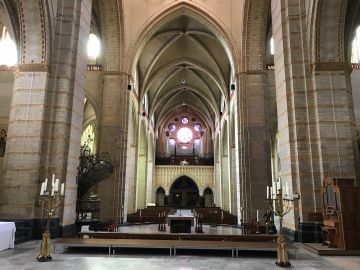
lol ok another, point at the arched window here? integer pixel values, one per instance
(88, 137)
(272, 47)
(93, 47)
(8, 50)
(355, 53)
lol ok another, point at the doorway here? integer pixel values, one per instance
(184, 193)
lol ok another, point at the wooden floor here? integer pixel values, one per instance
(319, 249)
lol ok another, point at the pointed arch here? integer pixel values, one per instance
(112, 16)
(327, 32)
(178, 9)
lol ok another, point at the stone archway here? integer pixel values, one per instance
(160, 197)
(208, 197)
(184, 193)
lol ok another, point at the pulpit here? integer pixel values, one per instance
(341, 200)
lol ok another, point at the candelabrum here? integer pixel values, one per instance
(280, 205)
(50, 200)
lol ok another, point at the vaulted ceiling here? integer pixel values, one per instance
(184, 65)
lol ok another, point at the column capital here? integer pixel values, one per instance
(33, 67)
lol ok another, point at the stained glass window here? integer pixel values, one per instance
(355, 53)
(88, 137)
(93, 47)
(172, 127)
(184, 120)
(8, 51)
(184, 135)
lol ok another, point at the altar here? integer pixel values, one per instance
(180, 222)
(7, 235)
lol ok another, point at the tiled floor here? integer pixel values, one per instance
(23, 257)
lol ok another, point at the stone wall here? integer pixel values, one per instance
(165, 176)
(355, 82)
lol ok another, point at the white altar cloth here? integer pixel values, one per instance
(7, 235)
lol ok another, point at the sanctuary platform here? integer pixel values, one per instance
(146, 236)
(320, 249)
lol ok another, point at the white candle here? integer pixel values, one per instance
(56, 187)
(45, 184)
(257, 215)
(42, 189)
(271, 193)
(62, 189)
(222, 214)
(53, 180)
(267, 192)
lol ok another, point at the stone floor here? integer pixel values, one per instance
(23, 257)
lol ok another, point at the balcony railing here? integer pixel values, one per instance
(185, 160)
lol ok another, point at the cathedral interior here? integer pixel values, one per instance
(130, 104)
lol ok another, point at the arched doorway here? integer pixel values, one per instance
(184, 193)
(208, 197)
(160, 197)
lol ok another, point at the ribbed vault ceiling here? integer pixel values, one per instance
(184, 65)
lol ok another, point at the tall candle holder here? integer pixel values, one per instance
(280, 205)
(50, 200)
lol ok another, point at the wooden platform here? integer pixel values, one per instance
(319, 249)
(172, 245)
(180, 236)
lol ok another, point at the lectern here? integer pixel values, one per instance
(341, 211)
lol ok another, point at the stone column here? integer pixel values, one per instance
(217, 173)
(253, 144)
(225, 168)
(315, 112)
(21, 179)
(335, 117)
(296, 127)
(233, 179)
(150, 171)
(113, 140)
(65, 99)
(130, 186)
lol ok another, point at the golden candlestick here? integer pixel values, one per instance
(50, 200)
(281, 206)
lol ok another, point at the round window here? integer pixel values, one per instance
(184, 135)
(184, 120)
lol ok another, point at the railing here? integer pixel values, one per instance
(185, 160)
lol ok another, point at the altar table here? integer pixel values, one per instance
(7, 235)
